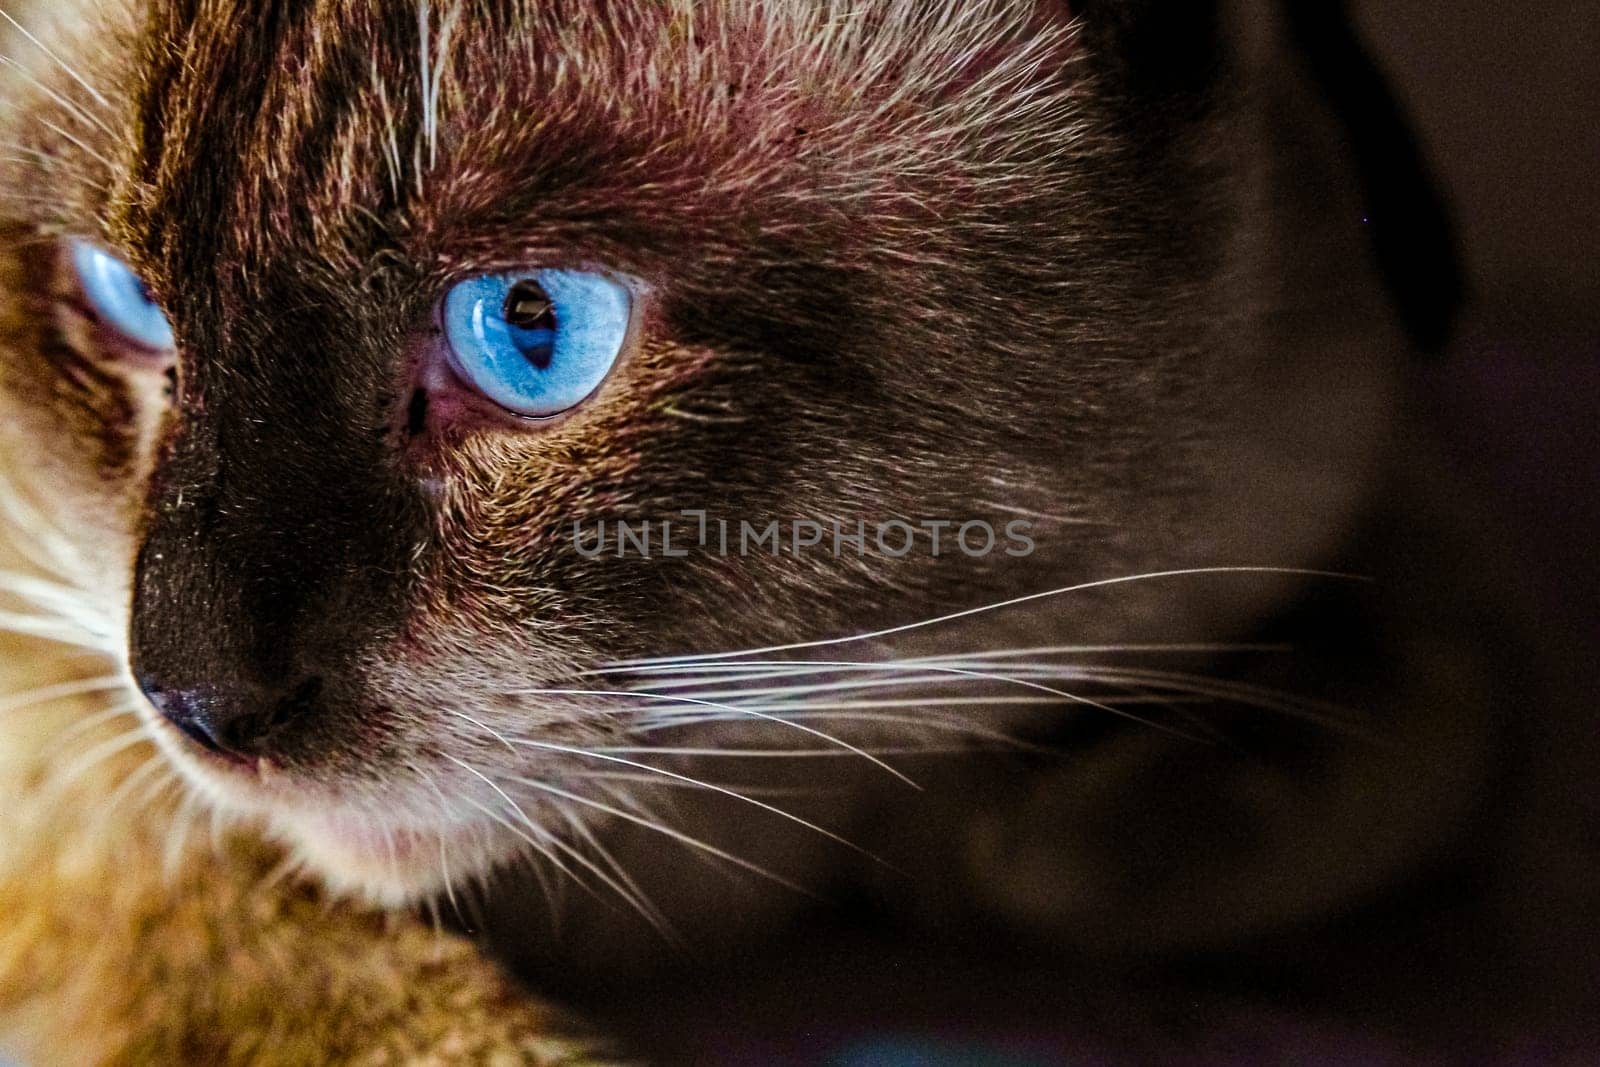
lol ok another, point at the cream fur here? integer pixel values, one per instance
(116, 948)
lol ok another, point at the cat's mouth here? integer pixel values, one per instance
(392, 854)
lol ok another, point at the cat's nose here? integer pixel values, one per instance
(234, 725)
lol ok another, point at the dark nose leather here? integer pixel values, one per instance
(237, 725)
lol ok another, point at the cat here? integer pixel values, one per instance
(334, 329)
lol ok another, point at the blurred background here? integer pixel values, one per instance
(1506, 98)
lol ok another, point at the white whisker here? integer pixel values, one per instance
(61, 691)
(639, 778)
(888, 678)
(773, 753)
(733, 709)
(932, 725)
(182, 826)
(64, 598)
(69, 775)
(546, 746)
(699, 674)
(43, 534)
(99, 98)
(974, 675)
(89, 723)
(636, 895)
(77, 142)
(644, 908)
(76, 110)
(741, 670)
(1330, 716)
(485, 728)
(1095, 650)
(662, 828)
(999, 606)
(444, 812)
(539, 847)
(112, 807)
(59, 631)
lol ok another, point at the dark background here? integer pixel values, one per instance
(1506, 99)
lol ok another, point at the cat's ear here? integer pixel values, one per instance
(1166, 56)
(1413, 232)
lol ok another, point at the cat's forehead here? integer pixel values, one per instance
(462, 132)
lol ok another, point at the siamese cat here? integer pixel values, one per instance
(632, 476)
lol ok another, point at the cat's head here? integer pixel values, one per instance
(334, 331)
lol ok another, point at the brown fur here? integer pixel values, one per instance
(877, 285)
(117, 948)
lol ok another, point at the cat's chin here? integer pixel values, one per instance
(391, 860)
(390, 866)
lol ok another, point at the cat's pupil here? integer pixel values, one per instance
(529, 308)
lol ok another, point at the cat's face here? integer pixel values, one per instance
(877, 261)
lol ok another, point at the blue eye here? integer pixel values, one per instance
(538, 343)
(119, 298)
